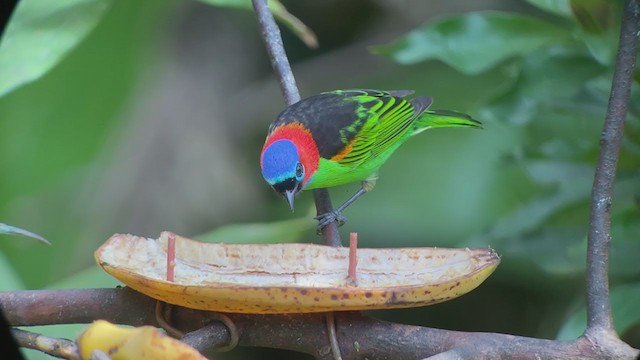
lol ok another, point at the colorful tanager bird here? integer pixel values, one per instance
(343, 136)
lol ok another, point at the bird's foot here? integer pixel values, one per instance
(329, 217)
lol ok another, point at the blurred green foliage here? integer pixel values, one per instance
(51, 130)
(539, 79)
(482, 40)
(35, 42)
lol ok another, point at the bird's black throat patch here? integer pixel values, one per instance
(285, 185)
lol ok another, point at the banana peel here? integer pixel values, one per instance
(142, 343)
(291, 278)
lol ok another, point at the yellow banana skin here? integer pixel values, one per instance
(142, 343)
(292, 278)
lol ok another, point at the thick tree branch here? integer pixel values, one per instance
(598, 306)
(359, 337)
(280, 63)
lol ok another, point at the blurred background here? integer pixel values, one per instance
(155, 120)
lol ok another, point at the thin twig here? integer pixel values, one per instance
(598, 306)
(280, 63)
(60, 348)
(333, 338)
(275, 49)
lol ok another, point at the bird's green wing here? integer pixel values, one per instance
(386, 119)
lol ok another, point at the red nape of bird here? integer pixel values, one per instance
(344, 136)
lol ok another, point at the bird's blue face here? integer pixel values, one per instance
(282, 169)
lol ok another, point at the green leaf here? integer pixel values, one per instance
(40, 34)
(594, 16)
(547, 86)
(12, 230)
(558, 7)
(475, 42)
(602, 46)
(598, 27)
(571, 183)
(559, 251)
(565, 131)
(261, 233)
(555, 75)
(624, 305)
(280, 13)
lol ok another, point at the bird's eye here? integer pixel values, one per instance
(299, 171)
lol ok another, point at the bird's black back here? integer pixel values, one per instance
(325, 115)
(332, 120)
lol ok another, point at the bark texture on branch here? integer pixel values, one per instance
(599, 318)
(359, 336)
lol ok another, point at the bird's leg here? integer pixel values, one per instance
(336, 214)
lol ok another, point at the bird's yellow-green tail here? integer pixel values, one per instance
(443, 118)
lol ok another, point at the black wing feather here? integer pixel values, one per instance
(332, 120)
(325, 115)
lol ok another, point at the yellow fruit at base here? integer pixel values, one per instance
(142, 343)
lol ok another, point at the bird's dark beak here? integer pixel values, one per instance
(290, 195)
